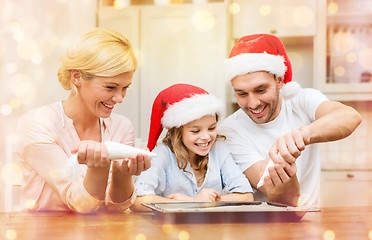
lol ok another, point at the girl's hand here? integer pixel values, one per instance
(207, 195)
(133, 166)
(179, 196)
(91, 153)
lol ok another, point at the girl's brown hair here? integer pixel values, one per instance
(173, 140)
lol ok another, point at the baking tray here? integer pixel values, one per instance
(218, 212)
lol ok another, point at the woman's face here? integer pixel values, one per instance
(199, 135)
(100, 94)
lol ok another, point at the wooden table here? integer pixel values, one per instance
(330, 223)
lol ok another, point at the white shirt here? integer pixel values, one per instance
(250, 142)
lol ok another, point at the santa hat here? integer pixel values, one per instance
(178, 105)
(262, 52)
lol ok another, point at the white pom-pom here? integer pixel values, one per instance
(290, 90)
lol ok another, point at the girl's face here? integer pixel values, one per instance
(100, 94)
(199, 135)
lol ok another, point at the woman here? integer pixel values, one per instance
(98, 72)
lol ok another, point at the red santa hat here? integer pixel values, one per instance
(262, 52)
(178, 105)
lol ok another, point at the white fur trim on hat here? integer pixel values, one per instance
(190, 109)
(253, 62)
(290, 90)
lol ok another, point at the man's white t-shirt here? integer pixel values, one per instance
(250, 142)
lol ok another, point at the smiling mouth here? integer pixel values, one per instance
(108, 105)
(202, 144)
(258, 111)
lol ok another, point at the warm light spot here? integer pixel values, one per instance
(203, 21)
(234, 8)
(343, 41)
(11, 234)
(370, 234)
(30, 204)
(15, 103)
(36, 58)
(162, 2)
(183, 235)
(365, 58)
(167, 228)
(332, 8)
(351, 57)
(120, 4)
(265, 10)
(11, 173)
(11, 67)
(329, 235)
(199, 1)
(339, 71)
(5, 110)
(140, 237)
(303, 16)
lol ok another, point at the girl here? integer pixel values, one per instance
(97, 72)
(193, 163)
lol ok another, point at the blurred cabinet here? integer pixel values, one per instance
(346, 188)
(284, 18)
(176, 43)
(344, 49)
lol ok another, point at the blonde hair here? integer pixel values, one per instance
(173, 140)
(100, 52)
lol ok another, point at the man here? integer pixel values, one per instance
(279, 121)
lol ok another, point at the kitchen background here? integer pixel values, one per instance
(328, 42)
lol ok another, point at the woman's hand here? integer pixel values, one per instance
(133, 166)
(207, 195)
(91, 153)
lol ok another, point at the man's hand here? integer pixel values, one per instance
(282, 185)
(288, 147)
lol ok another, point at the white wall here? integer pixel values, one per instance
(34, 34)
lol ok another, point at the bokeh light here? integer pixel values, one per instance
(183, 235)
(5, 110)
(351, 57)
(329, 235)
(11, 234)
(203, 21)
(332, 8)
(234, 8)
(120, 4)
(167, 228)
(15, 103)
(370, 234)
(343, 41)
(141, 237)
(36, 58)
(339, 71)
(265, 10)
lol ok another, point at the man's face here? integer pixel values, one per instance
(257, 93)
